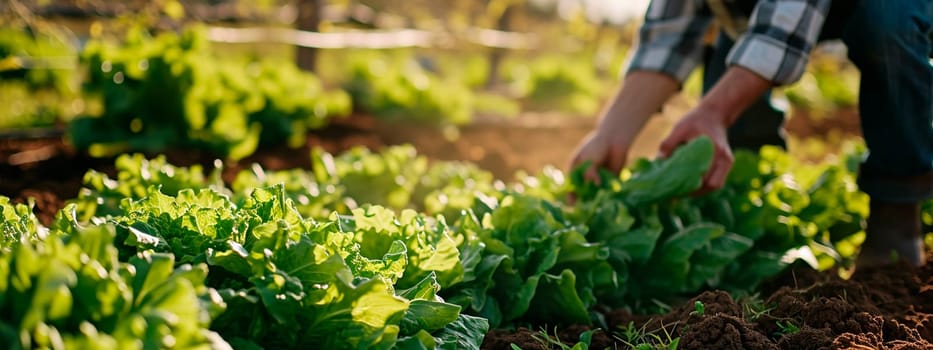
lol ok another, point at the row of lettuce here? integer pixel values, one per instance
(147, 92)
(388, 251)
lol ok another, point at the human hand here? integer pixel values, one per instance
(718, 109)
(607, 147)
(704, 121)
(603, 151)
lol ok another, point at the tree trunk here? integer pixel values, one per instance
(309, 19)
(497, 54)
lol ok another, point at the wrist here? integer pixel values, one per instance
(735, 91)
(722, 112)
(621, 126)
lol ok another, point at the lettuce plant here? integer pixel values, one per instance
(72, 292)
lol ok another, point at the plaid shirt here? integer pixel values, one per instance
(773, 42)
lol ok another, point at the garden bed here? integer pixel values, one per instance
(889, 308)
(880, 308)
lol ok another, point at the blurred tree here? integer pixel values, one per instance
(503, 11)
(310, 13)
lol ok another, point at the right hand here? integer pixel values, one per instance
(607, 147)
(604, 150)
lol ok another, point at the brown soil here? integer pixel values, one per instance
(879, 308)
(884, 308)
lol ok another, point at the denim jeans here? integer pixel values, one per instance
(889, 41)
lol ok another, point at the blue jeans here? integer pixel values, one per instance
(889, 42)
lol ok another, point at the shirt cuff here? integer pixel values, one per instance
(768, 57)
(663, 60)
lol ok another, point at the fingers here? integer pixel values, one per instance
(718, 172)
(602, 154)
(716, 176)
(671, 142)
(592, 174)
(616, 160)
(597, 153)
(577, 159)
(583, 155)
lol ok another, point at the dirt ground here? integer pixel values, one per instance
(889, 308)
(882, 308)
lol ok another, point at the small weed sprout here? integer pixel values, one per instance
(699, 309)
(551, 341)
(754, 308)
(640, 339)
(630, 334)
(787, 328)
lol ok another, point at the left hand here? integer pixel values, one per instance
(704, 121)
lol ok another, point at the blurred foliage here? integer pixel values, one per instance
(404, 87)
(557, 83)
(37, 82)
(22, 107)
(571, 71)
(170, 91)
(446, 88)
(25, 55)
(830, 83)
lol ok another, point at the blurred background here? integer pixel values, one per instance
(508, 84)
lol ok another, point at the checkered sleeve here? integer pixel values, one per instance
(670, 40)
(780, 35)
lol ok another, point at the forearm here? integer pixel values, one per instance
(738, 89)
(643, 93)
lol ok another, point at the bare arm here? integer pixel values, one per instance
(642, 94)
(670, 43)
